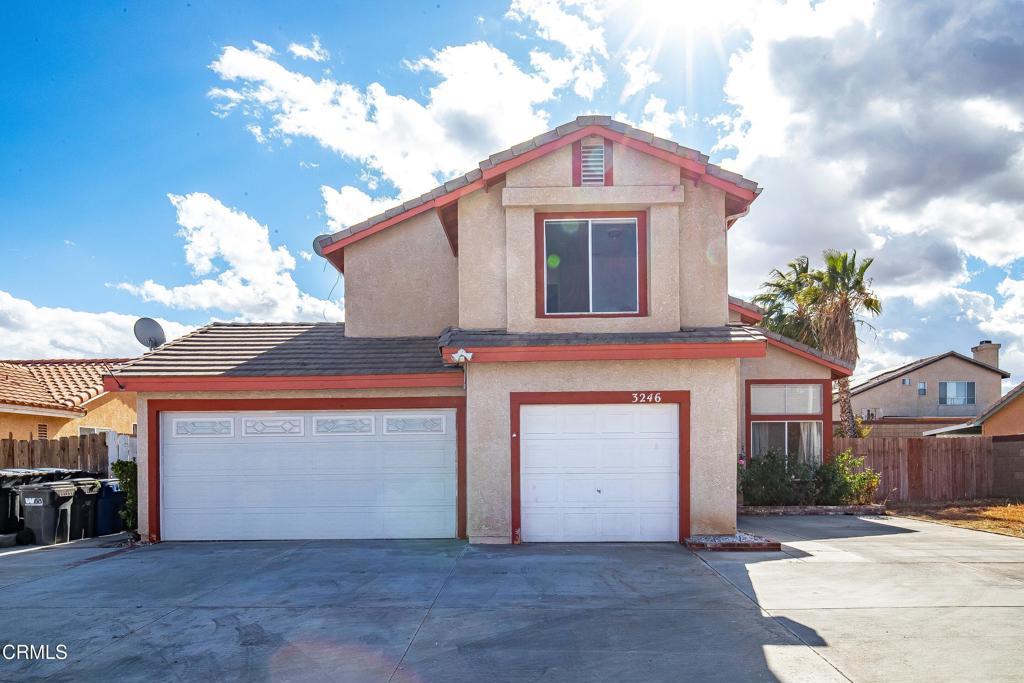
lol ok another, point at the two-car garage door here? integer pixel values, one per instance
(298, 475)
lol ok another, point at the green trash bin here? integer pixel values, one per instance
(46, 510)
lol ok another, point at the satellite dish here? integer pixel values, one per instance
(149, 333)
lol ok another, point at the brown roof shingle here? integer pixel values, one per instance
(285, 349)
(456, 337)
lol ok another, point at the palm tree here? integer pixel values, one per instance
(837, 296)
(785, 311)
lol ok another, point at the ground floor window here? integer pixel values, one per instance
(800, 438)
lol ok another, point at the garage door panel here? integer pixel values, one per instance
(599, 473)
(309, 475)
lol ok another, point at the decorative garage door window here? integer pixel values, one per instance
(272, 426)
(414, 424)
(344, 425)
(204, 427)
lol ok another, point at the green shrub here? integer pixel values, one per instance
(127, 473)
(774, 479)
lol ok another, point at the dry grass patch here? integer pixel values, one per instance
(999, 516)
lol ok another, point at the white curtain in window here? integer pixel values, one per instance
(810, 441)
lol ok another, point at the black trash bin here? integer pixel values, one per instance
(10, 507)
(46, 510)
(108, 507)
(83, 512)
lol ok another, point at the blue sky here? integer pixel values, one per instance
(142, 143)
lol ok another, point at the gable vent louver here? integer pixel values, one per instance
(592, 164)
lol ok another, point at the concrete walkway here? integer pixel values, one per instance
(848, 599)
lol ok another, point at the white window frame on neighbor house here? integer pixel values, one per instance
(969, 398)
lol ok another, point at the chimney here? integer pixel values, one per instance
(987, 352)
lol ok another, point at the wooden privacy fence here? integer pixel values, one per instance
(89, 452)
(926, 468)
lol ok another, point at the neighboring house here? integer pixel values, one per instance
(48, 399)
(1005, 417)
(543, 349)
(929, 393)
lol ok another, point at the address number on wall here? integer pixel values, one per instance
(645, 397)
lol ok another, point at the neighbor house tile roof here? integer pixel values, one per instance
(895, 373)
(459, 338)
(285, 349)
(60, 384)
(580, 123)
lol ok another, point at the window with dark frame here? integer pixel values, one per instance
(956, 393)
(801, 434)
(922, 388)
(592, 266)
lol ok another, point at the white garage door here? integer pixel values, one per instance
(296, 475)
(599, 472)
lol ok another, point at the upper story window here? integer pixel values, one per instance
(592, 264)
(956, 393)
(905, 381)
(592, 162)
(922, 388)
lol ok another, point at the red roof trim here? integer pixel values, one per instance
(284, 383)
(503, 354)
(746, 315)
(838, 371)
(695, 168)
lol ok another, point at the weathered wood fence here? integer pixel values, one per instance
(90, 452)
(934, 469)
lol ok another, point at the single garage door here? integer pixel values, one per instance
(296, 475)
(599, 472)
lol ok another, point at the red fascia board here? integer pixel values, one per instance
(694, 167)
(503, 354)
(838, 371)
(746, 315)
(222, 383)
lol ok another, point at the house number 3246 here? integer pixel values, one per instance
(644, 397)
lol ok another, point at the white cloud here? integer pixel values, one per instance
(348, 205)
(883, 127)
(306, 255)
(314, 52)
(30, 331)
(482, 102)
(575, 24)
(241, 273)
(263, 48)
(639, 73)
(657, 119)
(257, 132)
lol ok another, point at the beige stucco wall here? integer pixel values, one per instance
(703, 257)
(776, 364)
(403, 281)
(144, 398)
(109, 411)
(1009, 419)
(713, 399)
(482, 268)
(894, 399)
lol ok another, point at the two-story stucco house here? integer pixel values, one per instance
(543, 349)
(929, 393)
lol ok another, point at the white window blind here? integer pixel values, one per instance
(592, 164)
(785, 399)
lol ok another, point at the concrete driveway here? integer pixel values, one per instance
(848, 599)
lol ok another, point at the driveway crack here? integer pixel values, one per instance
(427, 613)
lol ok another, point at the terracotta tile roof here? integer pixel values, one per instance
(579, 123)
(285, 349)
(59, 384)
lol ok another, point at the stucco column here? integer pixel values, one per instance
(703, 258)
